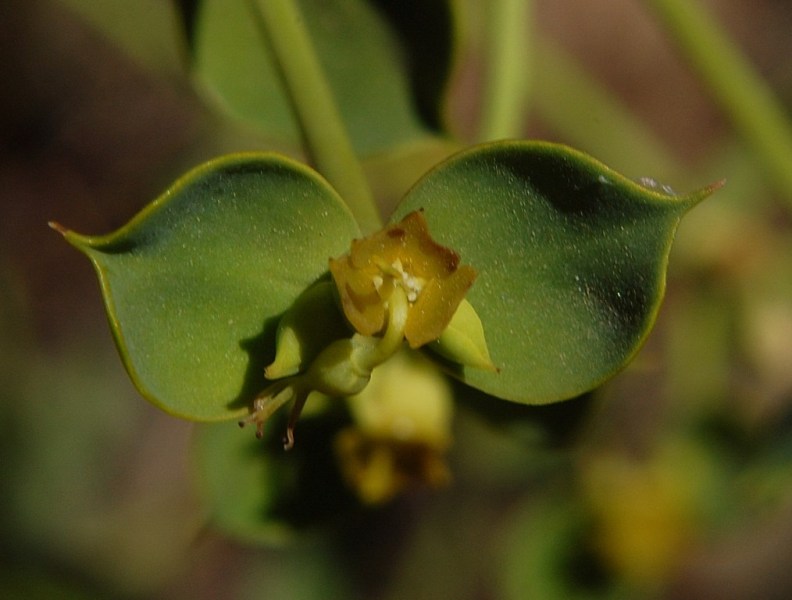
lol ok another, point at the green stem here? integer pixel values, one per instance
(508, 68)
(742, 94)
(393, 338)
(314, 106)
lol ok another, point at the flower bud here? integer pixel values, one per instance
(310, 324)
(401, 431)
(463, 340)
(340, 370)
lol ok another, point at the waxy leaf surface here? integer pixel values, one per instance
(571, 259)
(194, 284)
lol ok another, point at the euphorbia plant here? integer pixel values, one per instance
(526, 270)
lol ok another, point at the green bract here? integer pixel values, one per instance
(194, 284)
(571, 261)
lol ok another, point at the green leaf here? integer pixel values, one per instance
(387, 78)
(194, 283)
(571, 259)
(239, 481)
(427, 30)
(549, 554)
(142, 29)
(257, 492)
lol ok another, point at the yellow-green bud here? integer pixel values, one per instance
(463, 340)
(401, 431)
(340, 370)
(310, 324)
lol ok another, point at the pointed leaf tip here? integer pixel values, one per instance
(80, 242)
(702, 194)
(714, 187)
(58, 227)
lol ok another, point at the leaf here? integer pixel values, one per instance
(194, 283)
(142, 29)
(257, 492)
(387, 78)
(427, 31)
(549, 553)
(239, 482)
(571, 259)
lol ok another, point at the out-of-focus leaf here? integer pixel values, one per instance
(547, 555)
(238, 480)
(144, 29)
(571, 259)
(387, 70)
(391, 174)
(194, 283)
(257, 492)
(427, 30)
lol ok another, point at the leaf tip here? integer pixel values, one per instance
(714, 187)
(80, 242)
(59, 228)
(706, 191)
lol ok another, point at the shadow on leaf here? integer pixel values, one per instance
(261, 352)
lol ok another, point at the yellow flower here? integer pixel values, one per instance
(394, 285)
(401, 431)
(402, 256)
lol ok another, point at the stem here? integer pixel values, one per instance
(740, 91)
(392, 339)
(508, 68)
(315, 109)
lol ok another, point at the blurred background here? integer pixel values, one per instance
(674, 480)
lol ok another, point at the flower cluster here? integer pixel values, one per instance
(395, 285)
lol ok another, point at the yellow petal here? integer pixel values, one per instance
(402, 254)
(426, 257)
(362, 305)
(434, 308)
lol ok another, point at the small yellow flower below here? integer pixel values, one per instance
(401, 431)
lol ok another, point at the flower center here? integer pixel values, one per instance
(397, 275)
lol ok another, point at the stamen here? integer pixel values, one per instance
(294, 416)
(266, 404)
(397, 265)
